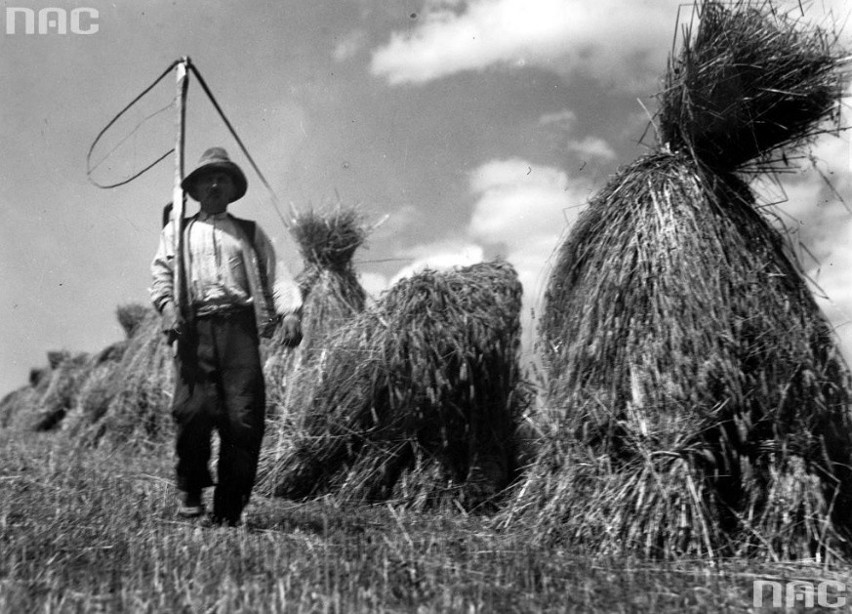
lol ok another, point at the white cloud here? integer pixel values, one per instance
(349, 46)
(617, 42)
(525, 208)
(440, 257)
(588, 147)
(592, 147)
(563, 119)
(373, 283)
(519, 201)
(622, 44)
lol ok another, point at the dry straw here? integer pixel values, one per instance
(414, 399)
(697, 404)
(42, 403)
(126, 398)
(750, 82)
(331, 294)
(73, 391)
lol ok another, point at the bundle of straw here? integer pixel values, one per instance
(17, 407)
(74, 391)
(750, 82)
(330, 288)
(414, 399)
(128, 403)
(103, 381)
(96, 389)
(690, 369)
(62, 392)
(331, 294)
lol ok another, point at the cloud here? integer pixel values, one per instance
(616, 42)
(440, 257)
(518, 201)
(350, 45)
(373, 283)
(520, 208)
(586, 148)
(526, 208)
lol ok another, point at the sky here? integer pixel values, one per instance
(474, 129)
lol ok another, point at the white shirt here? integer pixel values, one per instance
(216, 269)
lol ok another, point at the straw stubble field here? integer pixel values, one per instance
(92, 530)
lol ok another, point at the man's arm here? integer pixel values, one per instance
(283, 287)
(162, 284)
(163, 270)
(284, 290)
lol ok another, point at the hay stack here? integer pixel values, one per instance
(331, 294)
(61, 394)
(129, 402)
(96, 389)
(415, 397)
(73, 391)
(330, 288)
(17, 407)
(105, 379)
(50, 395)
(698, 404)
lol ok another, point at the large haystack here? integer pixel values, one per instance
(697, 402)
(414, 399)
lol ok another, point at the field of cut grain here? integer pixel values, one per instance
(91, 530)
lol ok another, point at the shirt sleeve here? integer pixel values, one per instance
(162, 270)
(285, 291)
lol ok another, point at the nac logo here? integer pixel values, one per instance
(51, 20)
(826, 595)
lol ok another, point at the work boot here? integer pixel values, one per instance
(227, 507)
(190, 505)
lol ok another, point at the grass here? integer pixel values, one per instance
(93, 530)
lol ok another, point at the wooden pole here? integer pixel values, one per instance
(181, 294)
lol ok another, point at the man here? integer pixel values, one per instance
(233, 296)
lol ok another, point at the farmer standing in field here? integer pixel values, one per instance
(233, 298)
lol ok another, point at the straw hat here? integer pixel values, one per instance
(213, 160)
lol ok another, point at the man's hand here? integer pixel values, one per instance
(291, 326)
(170, 325)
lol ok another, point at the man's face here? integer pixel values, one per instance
(215, 189)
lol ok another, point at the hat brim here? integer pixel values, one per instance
(234, 171)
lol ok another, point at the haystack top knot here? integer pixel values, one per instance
(751, 82)
(329, 238)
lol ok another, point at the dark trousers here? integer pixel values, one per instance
(219, 384)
